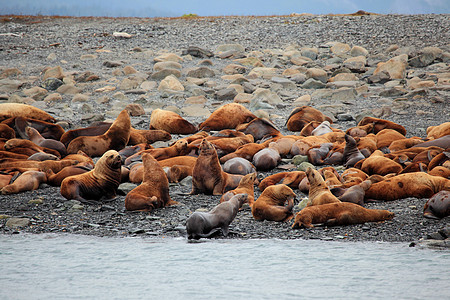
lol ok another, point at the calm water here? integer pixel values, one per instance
(80, 267)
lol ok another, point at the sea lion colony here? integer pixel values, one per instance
(381, 163)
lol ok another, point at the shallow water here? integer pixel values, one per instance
(83, 267)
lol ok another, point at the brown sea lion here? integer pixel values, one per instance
(176, 173)
(259, 128)
(331, 180)
(351, 153)
(246, 151)
(378, 164)
(385, 137)
(139, 136)
(38, 139)
(336, 214)
(15, 145)
(227, 116)
(404, 143)
(438, 206)
(8, 154)
(115, 138)
(171, 122)
(270, 205)
(283, 145)
(93, 130)
(440, 171)
(177, 149)
(291, 179)
(178, 160)
(319, 193)
(380, 124)
(246, 186)
(266, 159)
(27, 181)
(6, 132)
(98, 184)
(416, 184)
(54, 165)
(360, 131)
(316, 155)
(80, 157)
(304, 185)
(206, 224)
(239, 165)
(301, 116)
(228, 145)
(10, 110)
(46, 129)
(136, 173)
(354, 194)
(435, 132)
(55, 179)
(302, 146)
(153, 192)
(439, 160)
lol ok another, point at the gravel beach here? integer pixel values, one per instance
(269, 64)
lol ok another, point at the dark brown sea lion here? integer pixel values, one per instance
(41, 156)
(56, 179)
(270, 205)
(176, 173)
(301, 116)
(14, 145)
(171, 122)
(319, 193)
(380, 124)
(354, 194)
(336, 214)
(115, 138)
(98, 129)
(442, 142)
(316, 155)
(416, 184)
(38, 139)
(6, 132)
(291, 179)
(153, 192)
(205, 224)
(27, 181)
(259, 128)
(438, 206)
(227, 116)
(98, 184)
(351, 153)
(239, 165)
(266, 159)
(10, 110)
(246, 186)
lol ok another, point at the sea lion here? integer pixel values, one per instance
(139, 136)
(41, 156)
(301, 116)
(404, 143)
(336, 214)
(80, 157)
(385, 138)
(246, 151)
(27, 181)
(323, 128)
(319, 193)
(291, 179)
(54, 165)
(351, 153)
(177, 149)
(93, 130)
(416, 184)
(316, 155)
(438, 206)
(442, 142)
(46, 129)
(239, 165)
(38, 139)
(6, 132)
(331, 180)
(302, 145)
(55, 179)
(15, 144)
(131, 150)
(259, 128)
(115, 138)
(230, 144)
(227, 116)
(205, 224)
(440, 171)
(266, 159)
(176, 173)
(435, 132)
(98, 184)
(178, 160)
(354, 194)
(10, 110)
(360, 131)
(283, 145)
(171, 122)
(246, 186)
(270, 205)
(153, 192)
(380, 124)
(378, 164)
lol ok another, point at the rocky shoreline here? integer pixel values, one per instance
(268, 64)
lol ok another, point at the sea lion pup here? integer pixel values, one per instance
(271, 204)
(176, 173)
(227, 116)
(38, 139)
(55, 179)
(438, 206)
(153, 192)
(301, 116)
(246, 151)
(380, 124)
(206, 224)
(98, 184)
(336, 214)
(171, 122)
(360, 131)
(115, 138)
(354, 194)
(416, 184)
(207, 176)
(351, 152)
(319, 193)
(316, 155)
(27, 181)
(246, 186)
(378, 164)
(266, 159)
(15, 145)
(259, 128)
(10, 110)
(291, 179)
(239, 165)
(6, 132)
(435, 132)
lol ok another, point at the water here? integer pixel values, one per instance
(82, 267)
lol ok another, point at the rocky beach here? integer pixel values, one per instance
(84, 70)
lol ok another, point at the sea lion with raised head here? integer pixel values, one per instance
(246, 186)
(319, 193)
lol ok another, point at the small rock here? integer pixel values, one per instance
(123, 35)
(112, 64)
(17, 222)
(313, 84)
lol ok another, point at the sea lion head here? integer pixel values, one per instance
(110, 159)
(241, 198)
(181, 145)
(313, 175)
(206, 147)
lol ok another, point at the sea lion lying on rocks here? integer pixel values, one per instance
(271, 204)
(438, 206)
